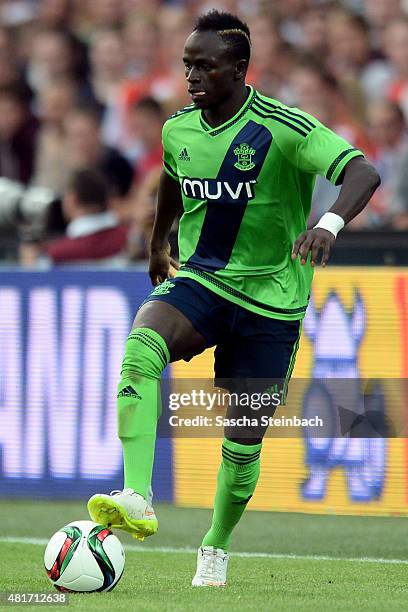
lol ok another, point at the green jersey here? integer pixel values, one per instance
(247, 189)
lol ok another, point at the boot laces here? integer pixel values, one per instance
(119, 492)
(210, 563)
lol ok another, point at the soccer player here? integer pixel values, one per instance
(241, 167)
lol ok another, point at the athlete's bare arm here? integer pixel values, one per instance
(169, 204)
(360, 181)
(180, 336)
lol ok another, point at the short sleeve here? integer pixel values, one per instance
(311, 146)
(324, 152)
(169, 163)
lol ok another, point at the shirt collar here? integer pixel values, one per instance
(233, 120)
(90, 224)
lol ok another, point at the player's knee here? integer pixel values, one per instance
(146, 353)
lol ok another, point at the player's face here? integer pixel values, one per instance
(212, 74)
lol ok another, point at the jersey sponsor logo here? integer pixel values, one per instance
(244, 153)
(184, 156)
(211, 189)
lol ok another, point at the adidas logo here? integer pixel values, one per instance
(184, 156)
(129, 391)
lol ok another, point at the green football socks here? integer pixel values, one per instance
(139, 405)
(236, 482)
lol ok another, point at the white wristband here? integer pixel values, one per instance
(331, 222)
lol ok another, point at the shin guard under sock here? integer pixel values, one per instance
(236, 482)
(139, 405)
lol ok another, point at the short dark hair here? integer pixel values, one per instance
(87, 111)
(233, 31)
(90, 187)
(18, 92)
(151, 105)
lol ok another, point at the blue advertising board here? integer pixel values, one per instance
(62, 338)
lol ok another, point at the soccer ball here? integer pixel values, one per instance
(84, 556)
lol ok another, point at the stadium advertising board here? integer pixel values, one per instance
(62, 335)
(355, 330)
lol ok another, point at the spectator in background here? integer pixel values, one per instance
(288, 14)
(52, 57)
(6, 44)
(349, 45)
(109, 55)
(10, 73)
(175, 25)
(93, 232)
(55, 102)
(379, 13)
(104, 13)
(71, 140)
(314, 40)
(348, 38)
(271, 58)
(146, 122)
(142, 44)
(153, 44)
(147, 9)
(57, 55)
(15, 13)
(317, 92)
(142, 218)
(107, 65)
(55, 13)
(396, 50)
(18, 134)
(389, 136)
(400, 199)
(84, 148)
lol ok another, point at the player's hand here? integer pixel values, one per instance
(161, 265)
(312, 241)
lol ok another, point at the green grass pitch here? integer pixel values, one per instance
(309, 563)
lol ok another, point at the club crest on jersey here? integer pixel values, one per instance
(163, 288)
(244, 154)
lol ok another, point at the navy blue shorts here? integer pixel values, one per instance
(248, 345)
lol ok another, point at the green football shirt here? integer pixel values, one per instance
(247, 189)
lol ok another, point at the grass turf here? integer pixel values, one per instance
(161, 581)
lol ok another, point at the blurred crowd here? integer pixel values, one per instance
(85, 86)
